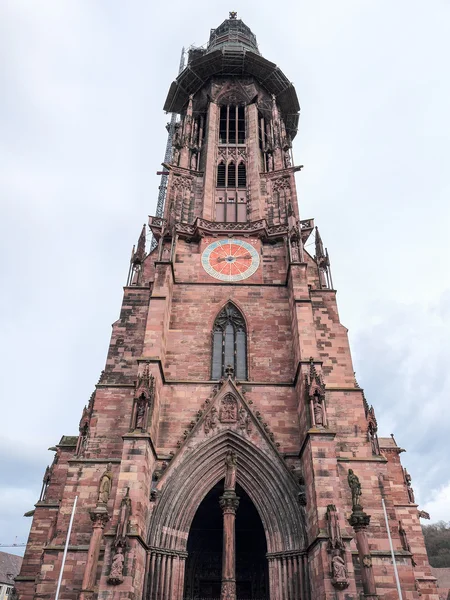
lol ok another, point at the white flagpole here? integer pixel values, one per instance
(65, 548)
(392, 550)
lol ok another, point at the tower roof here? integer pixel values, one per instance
(232, 51)
(234, 34)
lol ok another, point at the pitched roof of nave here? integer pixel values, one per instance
(232, 51)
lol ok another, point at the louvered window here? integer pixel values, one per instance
(229, 343)
(221, 175)
(231, 180)
(242, 176)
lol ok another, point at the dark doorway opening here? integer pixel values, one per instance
(204, 562)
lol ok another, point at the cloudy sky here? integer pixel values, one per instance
(82, 86)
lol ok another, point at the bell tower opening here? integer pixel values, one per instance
(204, 563)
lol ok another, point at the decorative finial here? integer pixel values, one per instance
(233, 15)
(229, 371)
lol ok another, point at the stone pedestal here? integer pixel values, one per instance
(359, 520)
(229, 503)
(99, 518)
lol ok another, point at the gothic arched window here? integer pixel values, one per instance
(229, 343)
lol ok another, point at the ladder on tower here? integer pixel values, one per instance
(167, 158)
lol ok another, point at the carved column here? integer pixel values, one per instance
(229, 503)
(359, 520)
(99, 518)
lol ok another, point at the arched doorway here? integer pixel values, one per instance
(270, 486)
(204, 546)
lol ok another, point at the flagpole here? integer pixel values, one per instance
(66, 546)
(392, 550)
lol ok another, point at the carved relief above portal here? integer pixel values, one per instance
(228, 409)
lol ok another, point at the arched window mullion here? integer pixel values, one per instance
(229, 343)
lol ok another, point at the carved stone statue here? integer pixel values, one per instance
(287, 160)
(210, 420)
(302, 493)
(355, 487)
(45, 483)
(242, 418)
(318, 411)
(335, 541)
(124, 515)
(403, 538)
(230, 470)
(116, 574)
(194, 161)
(104, 488)
(177, 134)
(373, 438)
(140, 412)
(84, 434)
(409, 488)
(295, 251)
(269, 162)
(339, 571)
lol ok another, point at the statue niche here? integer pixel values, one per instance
(120, 542)
(105, 486)
(336, 548)
(143, 401)
(315, 390)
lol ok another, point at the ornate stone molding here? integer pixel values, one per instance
(229, 503)
(202, 227)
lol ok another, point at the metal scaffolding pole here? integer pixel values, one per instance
(167, 158)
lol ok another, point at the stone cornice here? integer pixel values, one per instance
(168, 552)
(115, 385)
(323, 537)
(313, 432)
(59, 548)
(96, 460)
(44, 504)
(229, 283)
(322, 290)
(141, 288)
(285, 553)
(299, 366)
(141, 436)
(379, 459)
(131, 536)
(376, 553)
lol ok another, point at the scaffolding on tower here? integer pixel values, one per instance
(167, 158)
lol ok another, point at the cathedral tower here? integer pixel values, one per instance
(227, 450)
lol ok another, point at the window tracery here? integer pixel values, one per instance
(229, 343)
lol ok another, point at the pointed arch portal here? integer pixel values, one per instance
(204, 562)
(270, 495)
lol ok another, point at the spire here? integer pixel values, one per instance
(323, 263)
(137, 258)
(139, 255)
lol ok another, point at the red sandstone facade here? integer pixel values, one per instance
(284, 421)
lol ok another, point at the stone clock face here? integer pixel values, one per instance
(230, 260)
